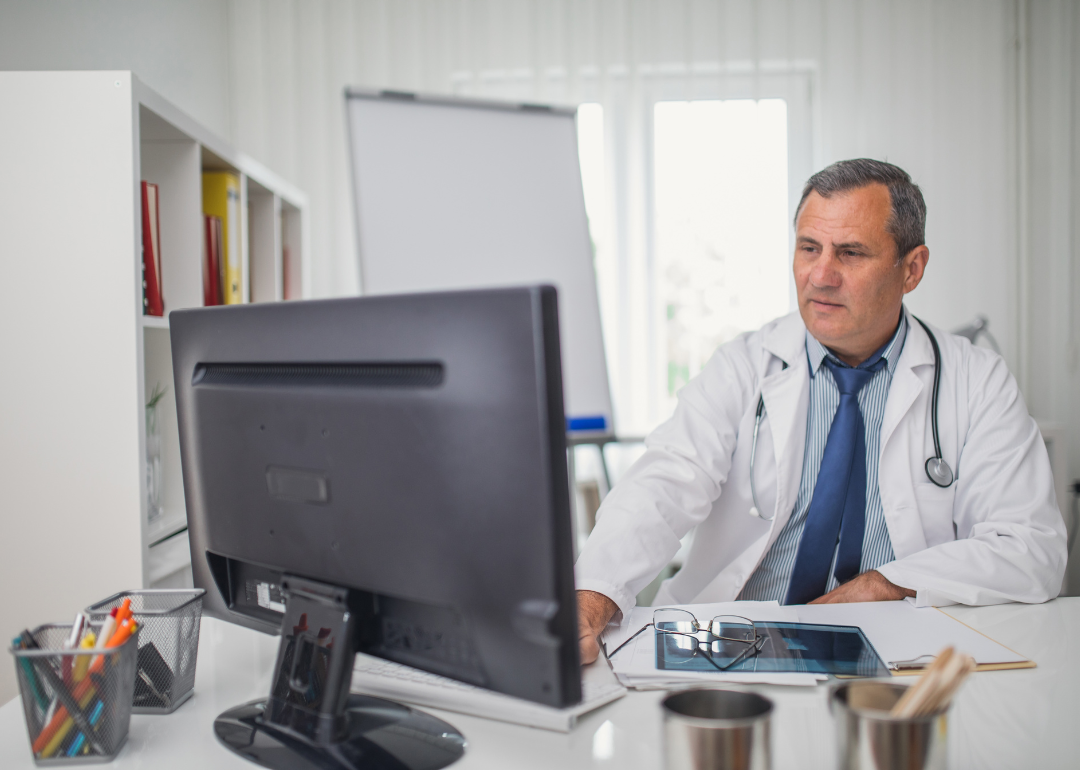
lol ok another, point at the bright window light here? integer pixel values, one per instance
(721, 225)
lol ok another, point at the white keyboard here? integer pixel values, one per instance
(592, 688)
(392, 680)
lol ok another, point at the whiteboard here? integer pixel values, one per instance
(457, 194)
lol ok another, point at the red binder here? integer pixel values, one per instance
(153, 302)
(212, 283)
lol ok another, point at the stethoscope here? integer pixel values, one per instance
(937, 470)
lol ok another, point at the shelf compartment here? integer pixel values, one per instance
(264, 243)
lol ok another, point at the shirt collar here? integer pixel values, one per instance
(890, 351)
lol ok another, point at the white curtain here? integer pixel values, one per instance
(931, 86)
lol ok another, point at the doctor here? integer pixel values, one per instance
(854, 500)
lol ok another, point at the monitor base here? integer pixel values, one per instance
(382, 735)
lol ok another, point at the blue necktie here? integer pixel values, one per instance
(838, 508)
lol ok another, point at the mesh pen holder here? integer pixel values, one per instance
(168, 644)
(77, 703)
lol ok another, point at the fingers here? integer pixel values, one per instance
(590, 649)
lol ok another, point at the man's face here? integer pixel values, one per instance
(849, 284)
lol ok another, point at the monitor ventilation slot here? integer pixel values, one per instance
(387, 375)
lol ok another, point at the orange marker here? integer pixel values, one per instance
(123, 631)
(124, 612)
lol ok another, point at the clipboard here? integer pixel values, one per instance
(908, 638)
(918, 665)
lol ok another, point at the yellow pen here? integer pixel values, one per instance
(82, 662)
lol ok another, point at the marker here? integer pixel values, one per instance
(82, 691)
(82, 662)
(31, 678)
(125, 610)
(107, 629)
(126, 629)
(54, 744)
(95, 715)
(77, 627)
(70, 712)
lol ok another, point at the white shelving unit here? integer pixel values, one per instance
(79, 357)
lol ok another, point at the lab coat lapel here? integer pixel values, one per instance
(787, 398)
(906, 383)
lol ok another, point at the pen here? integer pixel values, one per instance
(70, 706)
(107, 628)
(57, 740)
(81, 690)
(31, 678)
(95, 715)
(82, 662)
(66, 661)
(124, 612)
(126, 629)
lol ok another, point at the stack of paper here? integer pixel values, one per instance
(635, 664)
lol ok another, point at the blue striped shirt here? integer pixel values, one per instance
(770, 580)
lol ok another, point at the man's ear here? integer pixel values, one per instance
(914, 267)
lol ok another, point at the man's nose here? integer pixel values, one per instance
(826, 271)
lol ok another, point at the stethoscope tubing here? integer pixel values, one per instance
(934, 465)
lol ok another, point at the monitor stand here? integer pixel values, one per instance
(311, 721)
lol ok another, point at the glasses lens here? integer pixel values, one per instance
(670, 620)
(684, 641)
(732, 628)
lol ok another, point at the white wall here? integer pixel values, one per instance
(978, 99)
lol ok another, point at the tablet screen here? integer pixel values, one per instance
(786, 648)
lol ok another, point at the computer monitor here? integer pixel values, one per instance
(386, 475)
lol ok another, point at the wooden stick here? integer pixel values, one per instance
(951, 678)
(916, 696)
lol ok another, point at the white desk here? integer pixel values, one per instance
(1003, 719)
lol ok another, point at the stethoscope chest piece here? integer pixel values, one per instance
(939, 472)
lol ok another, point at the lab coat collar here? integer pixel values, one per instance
(917, 348)
(785, 338)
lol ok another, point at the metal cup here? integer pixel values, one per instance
(713, 729)
(868, 738)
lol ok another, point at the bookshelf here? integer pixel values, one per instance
(74, 147)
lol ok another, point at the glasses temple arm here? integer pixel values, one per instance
(632, 638)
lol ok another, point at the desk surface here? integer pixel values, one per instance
(1002, 719)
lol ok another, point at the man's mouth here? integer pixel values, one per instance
(825, 303)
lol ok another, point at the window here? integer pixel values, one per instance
(690, 181)
(720, 208)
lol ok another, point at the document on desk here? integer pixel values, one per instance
(635, 664)
(901, 632)
(385, 679)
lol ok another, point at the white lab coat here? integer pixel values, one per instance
(994, 536)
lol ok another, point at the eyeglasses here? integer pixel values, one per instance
(725, 636)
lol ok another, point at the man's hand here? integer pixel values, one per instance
(870, 586)
(594, 612)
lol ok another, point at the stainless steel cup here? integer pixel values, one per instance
(713, 729)
(867, 738)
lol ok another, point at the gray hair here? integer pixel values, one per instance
(907, 221)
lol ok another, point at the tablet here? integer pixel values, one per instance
(786, 648)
